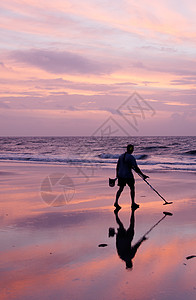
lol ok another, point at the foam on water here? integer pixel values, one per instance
(152, 153)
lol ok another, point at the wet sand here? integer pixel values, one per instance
(50, 234)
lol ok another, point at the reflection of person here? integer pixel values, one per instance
(126, 163)
(124, 239)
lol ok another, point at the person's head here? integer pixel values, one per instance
(130, 149)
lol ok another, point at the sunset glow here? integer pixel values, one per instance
(56, 56)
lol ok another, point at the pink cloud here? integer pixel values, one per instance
(61, 62)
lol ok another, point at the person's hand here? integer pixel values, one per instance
(145, 176)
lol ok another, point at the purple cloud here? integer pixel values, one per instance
(62, 62)
(185, 80)
(177, 66)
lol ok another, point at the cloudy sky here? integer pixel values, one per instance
(67, 67)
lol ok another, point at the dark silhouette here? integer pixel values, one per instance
(124, 239)
(125, 164)
(191, 256)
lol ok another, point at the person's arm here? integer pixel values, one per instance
(137, 169)
(117, 168)
(136, 246)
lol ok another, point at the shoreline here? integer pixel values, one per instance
(90, 186)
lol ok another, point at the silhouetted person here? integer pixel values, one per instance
(124, 239)
(125, 164)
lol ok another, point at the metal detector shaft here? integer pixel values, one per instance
(155, 190)
(165, 214)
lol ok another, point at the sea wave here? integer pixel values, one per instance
(40, 159)
(141, 156)
(116, 156)
(108, 155)
(155, 147)
(104, 159)
(191, 152)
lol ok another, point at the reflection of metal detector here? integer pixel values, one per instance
(155, 191)
(165, 214)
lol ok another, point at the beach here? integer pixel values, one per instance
(55, 243)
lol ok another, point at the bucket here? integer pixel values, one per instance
(112, 182)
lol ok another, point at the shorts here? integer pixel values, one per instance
(123, 181)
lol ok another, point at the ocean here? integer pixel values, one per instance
(157, 153)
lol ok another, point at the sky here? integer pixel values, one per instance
(72, 67)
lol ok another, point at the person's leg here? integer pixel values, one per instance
(132, 192)
(121, 188)
(134, 205)
(131, 184)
